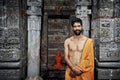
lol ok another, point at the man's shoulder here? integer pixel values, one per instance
(90, 40)
(86, 38)
(68, 39)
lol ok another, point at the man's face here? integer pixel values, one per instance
(77, 28)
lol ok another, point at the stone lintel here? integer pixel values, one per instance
(59, 7)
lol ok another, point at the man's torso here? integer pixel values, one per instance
(75, 49)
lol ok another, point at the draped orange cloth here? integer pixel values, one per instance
(86, 64)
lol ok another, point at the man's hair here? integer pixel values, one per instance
(75, 19)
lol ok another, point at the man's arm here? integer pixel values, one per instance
(69, 63)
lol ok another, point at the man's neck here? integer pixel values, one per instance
(78, 37)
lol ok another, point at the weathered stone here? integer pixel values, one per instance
(108, 73)
(12, 37)
(10, 74)
(34, 27)
(106, 38)
(82, 12)
(35, 78)
(10, 55)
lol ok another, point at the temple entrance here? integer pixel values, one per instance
(58, 31)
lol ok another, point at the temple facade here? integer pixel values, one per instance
(32, 35)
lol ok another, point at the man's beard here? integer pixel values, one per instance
(78, 32)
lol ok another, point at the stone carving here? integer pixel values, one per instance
(109, 56)
(106, 12)
(12, 2)
(117, 34)
(12, 40)
(109, 52)
(117, 29)
(116, 8)
(109, 74)
(9, 55)
(13, 32)
(9, 46)
(106, 30)
(106, 34)
(105, 4)
(12, 17)
(116, 22)
(13, 74)
(108, 46)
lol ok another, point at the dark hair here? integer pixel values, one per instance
(75, 19)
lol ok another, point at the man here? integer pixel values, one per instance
(79, 54)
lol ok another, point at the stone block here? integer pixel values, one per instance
(107, 64)
(105, 3)
(34, 78)
(109, 55)
(34, 2)
(106, 34)
(12, 2)
(10, 55)
(107, 51)
(106, 30)
(34, 11)
(116, 6)
(105, 12)
(10, 74)
(109, 46)
(34, 23)
(107, 74)
(117, 34)
(117, 29)
(10, 65)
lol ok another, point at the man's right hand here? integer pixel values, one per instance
(76, 70)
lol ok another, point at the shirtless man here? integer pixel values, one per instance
(73, 52)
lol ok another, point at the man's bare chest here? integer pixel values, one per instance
(76, 45)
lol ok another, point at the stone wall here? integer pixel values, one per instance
(12, 40)
(105, 26)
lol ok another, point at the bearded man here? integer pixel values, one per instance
(79, 54)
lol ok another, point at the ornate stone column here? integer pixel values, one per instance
(34, 28)
(82, 12)
(106, 34)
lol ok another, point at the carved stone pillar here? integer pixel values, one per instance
(82, 12)
(34, 28)
(106, 34)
